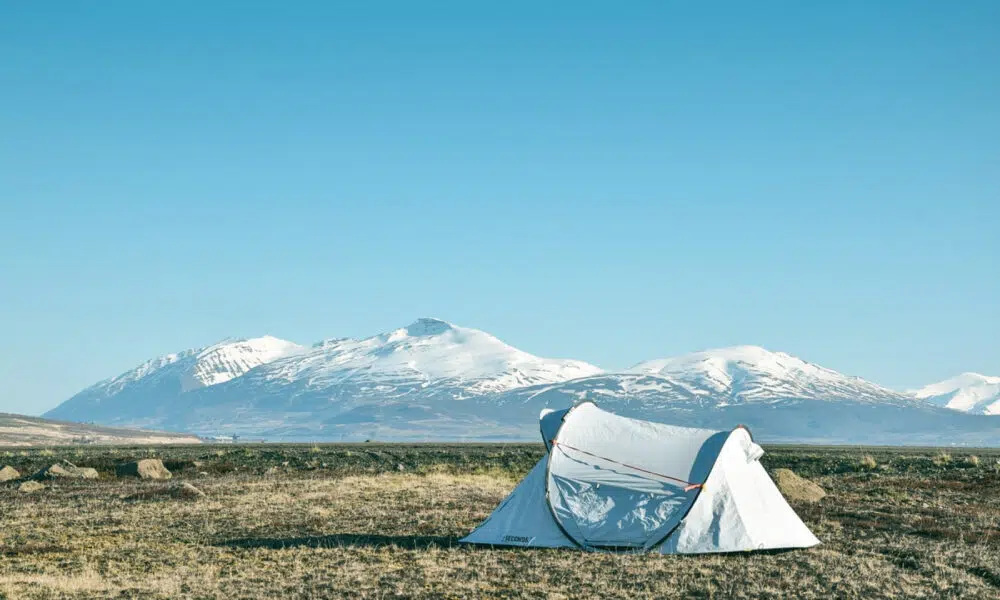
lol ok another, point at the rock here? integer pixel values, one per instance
(66, 470)
(30, 486)
(88, 473)
(147, 468)
(9, 473)
(186, 490)
(797, 489)
(182, 491)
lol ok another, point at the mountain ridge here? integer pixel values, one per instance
(967, 392)
(435, 380)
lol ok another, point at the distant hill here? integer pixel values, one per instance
(21, 430)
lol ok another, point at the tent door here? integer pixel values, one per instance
(604, 515)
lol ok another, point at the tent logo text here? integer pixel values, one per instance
(517, 539)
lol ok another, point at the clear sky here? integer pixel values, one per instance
(608, 181)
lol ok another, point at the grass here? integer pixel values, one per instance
(382, 521)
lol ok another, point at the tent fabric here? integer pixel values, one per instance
(524, 518)
(739, 508)
(549, 422)
(611, 483)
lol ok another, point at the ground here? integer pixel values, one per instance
(382, 521)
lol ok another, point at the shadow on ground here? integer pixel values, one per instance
(422, 542)
(339, 540)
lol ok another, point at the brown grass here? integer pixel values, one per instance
(916, 528)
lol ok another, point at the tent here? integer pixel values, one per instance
(611, 483)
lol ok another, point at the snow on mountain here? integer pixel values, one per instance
(429, 352)
(126, 397)
(969, 392)
(778, 396)
(436, 381)
(322, 388)
(750, 373)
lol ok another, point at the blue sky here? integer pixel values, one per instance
(605, 181)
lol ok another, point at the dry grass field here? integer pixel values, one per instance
(381, 521)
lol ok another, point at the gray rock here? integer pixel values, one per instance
(186, 490)
(66, 470)
(180, 491)
(797, 489)
(9, 473)
(30, 486)
(147, 468)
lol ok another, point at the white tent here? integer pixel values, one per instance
(610, 483)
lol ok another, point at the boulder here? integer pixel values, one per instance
(186, 490)
(9, 473)
(66, 470)
(30, 486)
(147, 468)
(797, 489)
(183, 491)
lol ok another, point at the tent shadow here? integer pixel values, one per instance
(341, 540)
(423, 542)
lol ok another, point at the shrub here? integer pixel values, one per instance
(868, 462)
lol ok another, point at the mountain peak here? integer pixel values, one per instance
(968, 392)
(721, 358)
(979, 377)
(745, 353)
(426, 326)
(750, 372)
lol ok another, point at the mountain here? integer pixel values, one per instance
(331, 389)
(428, 354)
(433, 380)
(753, 374)
(21, 430)
(134, 397)
(969, 392)
(781, 398)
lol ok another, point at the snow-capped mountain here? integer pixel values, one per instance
(436, 381)
(274, 383)
(428, 353)
(969, 392)
(129, 397)
(753, 374)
